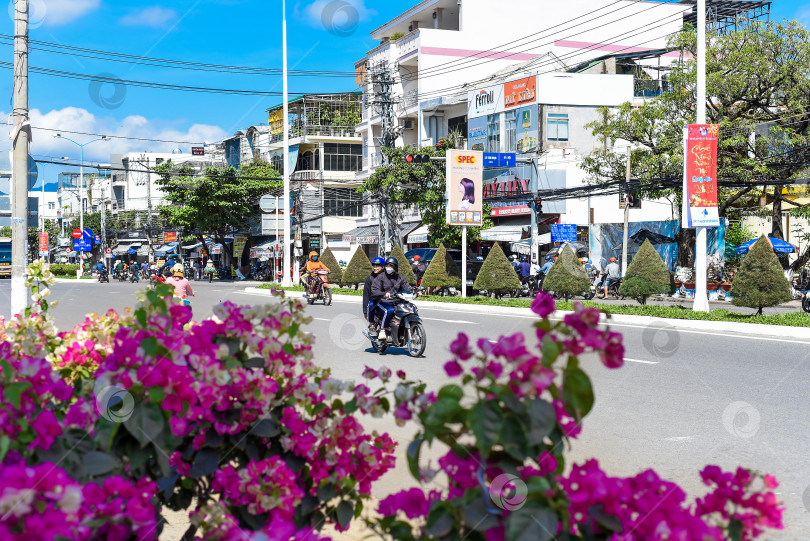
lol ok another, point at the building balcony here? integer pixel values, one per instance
(649, 88)
(119, 180)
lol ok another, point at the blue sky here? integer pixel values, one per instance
(323, 35)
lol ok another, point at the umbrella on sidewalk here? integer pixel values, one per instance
(579, 247)
(779, 246)
(655, 238)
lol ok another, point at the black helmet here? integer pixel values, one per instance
(393, 262)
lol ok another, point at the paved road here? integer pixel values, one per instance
(684, 398)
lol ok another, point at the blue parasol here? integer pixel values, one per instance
(779, 246)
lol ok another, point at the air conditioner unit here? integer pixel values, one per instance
(408, 124)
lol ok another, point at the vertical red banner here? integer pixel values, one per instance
(700, 175)
(43, 242)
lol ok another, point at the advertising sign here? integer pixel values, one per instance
(510, 208)
(169, 236)
(477, 133)
(520, 92)
(527, 129)
(465, 174)
(43, 242)
(700, 176)
(276, 120)
(239, 246)
(563, 232)
(484, 101)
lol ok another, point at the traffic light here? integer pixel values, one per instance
(417, 158)
(538, 208)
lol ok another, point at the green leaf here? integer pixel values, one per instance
(542, 419)
(451, 391)
(345, 512)
(140, 315)
(550, 351)
(8, 370)
(96, 463)
(414, 450)
(735, 529)
(440, 522)
(205, 463)
(12, 392)
(146, 424)
(157, 395)
(532, 522)
(477, 517)
(5, 443)
(266, 428)
(513, 437)
(577, 392)
(149, 345)
(485, 422)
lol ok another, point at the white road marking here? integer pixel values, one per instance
(680, 438)
(640, 361)
(451, 320)
(321, 319)
(724, 335)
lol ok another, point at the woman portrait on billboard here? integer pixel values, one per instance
(467, 190)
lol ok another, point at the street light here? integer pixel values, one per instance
(81, 171)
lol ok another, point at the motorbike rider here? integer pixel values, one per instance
(133, 269)
(546, 266)
(313, 265)
(101, 268)
(377, 265)
(515, 264)
(418, 268)
(612, 274)
(385, 286)
(524, 269)
(119, 267)
(182, 287)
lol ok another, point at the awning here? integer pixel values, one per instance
(369, 234)
(523, 246)
(192, 246)
(166, 248)
(122, 249)
(503, 233)
(418, 236)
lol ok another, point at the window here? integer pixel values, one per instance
(557, 127)
(511, 131)
(494, 133)
(342, 202)
(342, 157)
(51, 206)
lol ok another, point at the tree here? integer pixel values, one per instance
(760, 281)
(497, 274)
(217, 203)
(442, 271)
(567, 275)
(404, 266)
(328, 259)
(646, 275)
(756, 83)
(358, 269)
(421, 185)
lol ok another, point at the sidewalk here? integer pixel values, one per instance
(749, 329)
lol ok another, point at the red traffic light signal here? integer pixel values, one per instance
(417, 158)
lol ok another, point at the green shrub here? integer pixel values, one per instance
(567, 276)
(59, 269)
(328, 259)
(760, 281)
(442, 271)
(404, 266)
(647, 275)
(358, 269)
(497, 274)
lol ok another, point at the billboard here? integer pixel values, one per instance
(169, 236)
(700, 176)
(477, 133)
(527, 128)
(465, 174)
(520, 92)
(484, 101)
(239, 246)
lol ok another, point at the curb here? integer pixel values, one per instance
(749, 329)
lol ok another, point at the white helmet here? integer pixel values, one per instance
(513, 257)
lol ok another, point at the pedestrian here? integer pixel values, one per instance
(199, 264)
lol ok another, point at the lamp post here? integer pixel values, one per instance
(81, 171)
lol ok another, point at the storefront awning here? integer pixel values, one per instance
(503, 233)
(369, 234)
(523, 246)
(122, 249)
(418, 236)
(167, 248)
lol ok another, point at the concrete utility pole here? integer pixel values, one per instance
(626, 215)
(19, 190)
(287, 279)
(701, 303)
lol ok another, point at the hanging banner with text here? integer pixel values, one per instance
(465, 178)
(239, 246)
(43, 242)
(700, 176)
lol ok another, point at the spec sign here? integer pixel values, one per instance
(465, 177)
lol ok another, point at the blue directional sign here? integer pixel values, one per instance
(97, 239)
(507, 159)
(490, 159)
(87, 234)
(83, 245)
(563, 232)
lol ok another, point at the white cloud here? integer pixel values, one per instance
(803, 16)
(56, 12)
(81, 120)
(155, 17)
(340, 17)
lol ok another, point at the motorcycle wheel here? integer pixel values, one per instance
(327, 297)
(378, 347)
(806, 304)
(588, 296)
(417, 340)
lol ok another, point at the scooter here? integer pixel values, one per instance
(407, 329)
(324, 293)
(103, 276)
(613, 290)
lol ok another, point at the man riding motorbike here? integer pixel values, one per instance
(377, 265)
(612, 274)
(418, 268)
(385, 286)
(311, 267)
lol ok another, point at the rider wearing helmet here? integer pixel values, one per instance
(377, 265)
(547, 265)
(313, 265)
(418, 267)
(612, 274)
(182, 287)
(385, 286)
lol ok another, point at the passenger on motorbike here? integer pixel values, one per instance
(312, 266)
(418, 268)
(385, 286)
(612, 274)
(546, 266)
(377, 265)
(182, 287)
(524, 269)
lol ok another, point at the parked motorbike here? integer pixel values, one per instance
(407, 329)
(323, 291)
(803, 287)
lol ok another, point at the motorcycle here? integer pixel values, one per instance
(121, 275)
(134, 276)
(323, 293)
(803, 288)
(103, 276)
(613, 290)
(407, 329)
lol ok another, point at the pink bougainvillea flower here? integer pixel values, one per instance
(543, 305)
(453, 369)
(460, 347)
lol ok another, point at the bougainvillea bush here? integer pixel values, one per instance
(105, 425)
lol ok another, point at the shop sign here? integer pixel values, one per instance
(169, 236)
(510, 208)
(484, 101)
(520, 92)
(508, 188)
(239, 246)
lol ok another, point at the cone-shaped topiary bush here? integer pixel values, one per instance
(442, 271)
(646, 275)
(357, 270)
(567, 276)
(404, 265)
(497, 274)
(328, 259)
(760, 281)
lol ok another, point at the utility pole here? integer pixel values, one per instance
(626, 215)
(701, 303)
(103, 223)
(287, 279)
(19, 190)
